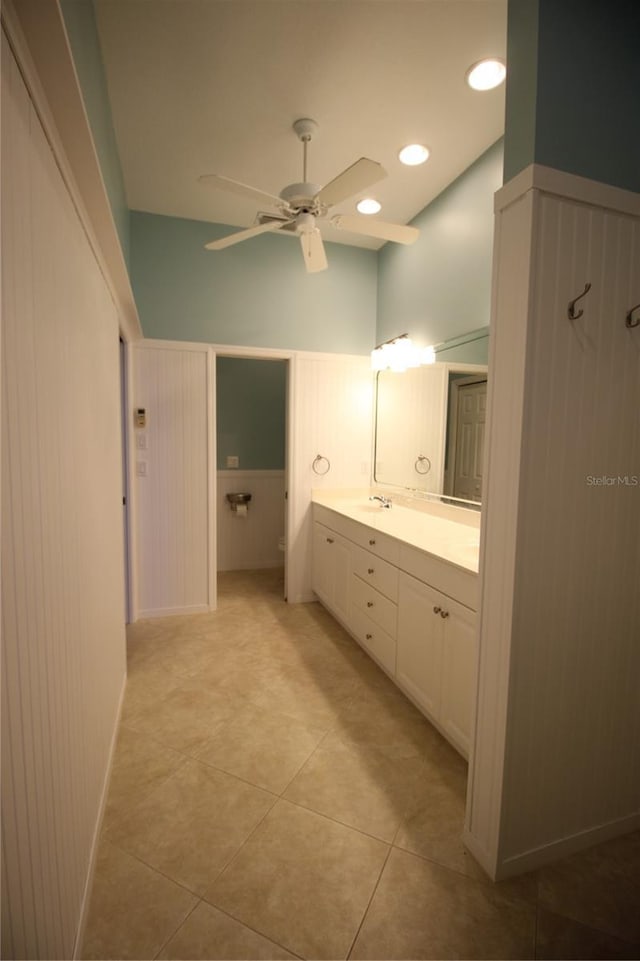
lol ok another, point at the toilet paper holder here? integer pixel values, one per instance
(240, 499)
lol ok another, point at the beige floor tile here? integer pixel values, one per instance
(599, 887)
(357, 785)
(264, 748)
(192, 824)
(208, 935)
(185, 717)
(561, 939)
(140, 764)
(133, 909)
(303, 881)
(386, 720)
(421, 910)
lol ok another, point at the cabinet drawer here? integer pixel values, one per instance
(374, 639)
(375, 605)
(379, 544)
(376, 572)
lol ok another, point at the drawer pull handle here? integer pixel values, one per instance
(437, 610)
(444, 613)
(372, 542)
(369, 603)
(369, 570)
(329, 540)
(368, 637)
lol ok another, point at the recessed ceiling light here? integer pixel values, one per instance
(414, 154)
(486, 74)
(368, 206)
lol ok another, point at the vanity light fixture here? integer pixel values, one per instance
(368, 206)
(414, 154)
(428, 355)
(396, 354)
(486, 74)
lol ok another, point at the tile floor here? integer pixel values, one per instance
(275, 796)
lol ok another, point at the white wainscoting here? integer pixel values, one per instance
(174, 516)
(556, 765)
(330, 414)
(63, 652)
(250, 542)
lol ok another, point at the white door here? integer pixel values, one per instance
(472, 406)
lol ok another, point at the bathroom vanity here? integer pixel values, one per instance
(404, 582)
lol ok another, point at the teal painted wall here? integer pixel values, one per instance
(80, 24)
(254, 294)
(473, 348)
(573, 67)
(440, 287)
(251, 412)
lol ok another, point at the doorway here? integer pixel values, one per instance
(251, 459)
(125, 474)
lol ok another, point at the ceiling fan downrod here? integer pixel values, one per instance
(305, 128)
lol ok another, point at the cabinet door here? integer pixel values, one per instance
(420, 642)
(458, 673)
(321, 565)
(331, 570)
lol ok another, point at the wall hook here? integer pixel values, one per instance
(572, 313)
(633, 321)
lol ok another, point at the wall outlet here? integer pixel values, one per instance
(141, 468)
(233, 460)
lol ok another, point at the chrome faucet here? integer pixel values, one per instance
(384, 501)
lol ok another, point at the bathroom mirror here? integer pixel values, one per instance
(430, 429)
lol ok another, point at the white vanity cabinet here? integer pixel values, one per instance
(436, 657)
(331, 570)
(412, 612)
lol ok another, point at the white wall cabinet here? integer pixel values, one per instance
(423, 638)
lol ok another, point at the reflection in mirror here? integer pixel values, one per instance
(430, 429)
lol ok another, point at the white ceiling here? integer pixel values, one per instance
(213, 86)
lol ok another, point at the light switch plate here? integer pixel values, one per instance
(233, 461)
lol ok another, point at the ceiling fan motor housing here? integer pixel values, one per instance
(300, 197)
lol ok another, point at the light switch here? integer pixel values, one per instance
(141, 468)
(233, 461)
(141, 441)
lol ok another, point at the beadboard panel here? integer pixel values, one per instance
(567, 724)
(250, 542)
(63, 653)
(173, 523)
(330, 415)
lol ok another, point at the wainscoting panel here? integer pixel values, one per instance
(173, 457)
(63, 650)
(250, 542)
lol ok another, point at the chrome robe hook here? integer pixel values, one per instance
(572, 313)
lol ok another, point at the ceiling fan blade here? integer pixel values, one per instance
(313, 249)
(398, 233)
(241, 235)
(235, 187)
(355, 178)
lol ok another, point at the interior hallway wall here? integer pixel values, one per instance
(63, 651)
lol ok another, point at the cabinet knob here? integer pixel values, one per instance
(369, 603)
(329, 540)
(368, 636)
(369, 570)
(444, 613)
(372, 542)
(437, 610)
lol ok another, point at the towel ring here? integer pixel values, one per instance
(420, 463)
(318, 461)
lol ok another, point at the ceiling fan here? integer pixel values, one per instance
(301, 205)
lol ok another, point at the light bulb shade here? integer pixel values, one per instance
(413, 154)
(486, 74)
(368, 206)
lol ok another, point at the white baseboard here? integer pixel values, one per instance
(88, 887)
(173, 611)
(549, 853)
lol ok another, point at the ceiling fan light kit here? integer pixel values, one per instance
(299, 206)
